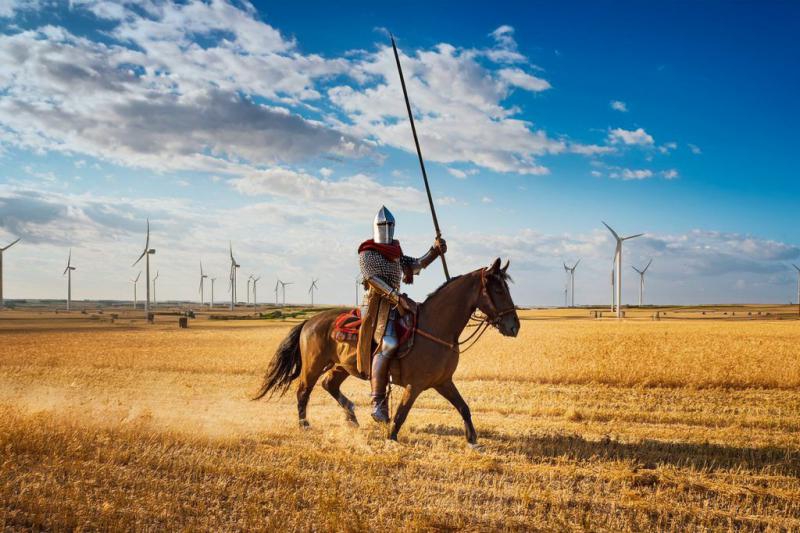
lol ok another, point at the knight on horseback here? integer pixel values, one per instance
(383, 265)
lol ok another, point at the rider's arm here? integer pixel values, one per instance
(414, 265)
(382, 287)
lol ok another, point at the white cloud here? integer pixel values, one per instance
(487, 200)
(617, 105)
(446, 200)
(630, 137)
(457, 173)
(670, 174)
(9, 8)
(596, 173)
(695, 149)
(631, 174)
(667, 147)
(325, 172)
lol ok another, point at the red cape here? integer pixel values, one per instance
(391, 252)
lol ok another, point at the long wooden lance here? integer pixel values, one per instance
(419, 153)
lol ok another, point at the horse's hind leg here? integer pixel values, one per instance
(331, 383)
(308, 379)
(450, 392)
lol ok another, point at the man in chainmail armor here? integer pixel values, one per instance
(383, 266)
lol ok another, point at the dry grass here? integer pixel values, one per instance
(599, 425)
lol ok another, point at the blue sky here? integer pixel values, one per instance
(284, 132)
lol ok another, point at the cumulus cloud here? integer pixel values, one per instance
(695, 149)
(670, 174)
(637, 137)
(631, 174)
(617, 105)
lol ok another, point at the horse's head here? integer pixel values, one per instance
(495, 299)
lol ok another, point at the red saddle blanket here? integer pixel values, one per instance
(347, 325)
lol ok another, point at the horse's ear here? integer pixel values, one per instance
(495, 266)
(503, 270)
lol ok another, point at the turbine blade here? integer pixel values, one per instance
(10, 245)
(140, 257)
(137, 276)
(632, 236)
(611, 230)
(648, 265)
(147, 241)
(576, 264)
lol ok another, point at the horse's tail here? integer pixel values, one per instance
(285, 366)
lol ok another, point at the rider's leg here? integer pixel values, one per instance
(380, 371)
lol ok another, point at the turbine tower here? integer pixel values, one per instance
(255, 295)
(135, 281)
(68, 273)
(203, 277)
(641, 281)
(798, 287)
(2, 301)
(146, 254)
(571, 273)
(283, 288)
(249, 281)
(155, 301)
(277, 284)
(211, 305)
(312, 288)
(618, 265)
(232, 286)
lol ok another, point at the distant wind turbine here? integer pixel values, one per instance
(618, 265)
(135, 281)
(571, 273)
(283, 288)
(211, 305)
(277, 284)
(146, 254)
(232, 286)
(249, 281)
(155, 300)
(68, 273)
(311, 290)
(203, 277)
(255, 295)
(2, 301)
(798, 287)
(641, 281)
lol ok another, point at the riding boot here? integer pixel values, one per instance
(379, 380)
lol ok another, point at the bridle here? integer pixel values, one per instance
(480, 323)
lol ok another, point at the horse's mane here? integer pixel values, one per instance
(445, 284)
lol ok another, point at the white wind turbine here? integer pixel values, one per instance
(146, 254)
(2, 301)
(798, 286)
(68, 273)
(277, 284)
(155, 300)
(135, 281)
(571, 273)
(641, 281)
(203, 277)
(283, 288)
(255, 295)
(211, 305)
(311, 290)
(249, 281)
(618, 265)
(232, 286)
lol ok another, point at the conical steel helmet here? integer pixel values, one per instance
(383, 226)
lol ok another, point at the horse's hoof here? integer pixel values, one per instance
(304, 424)
(352, 422)
(475, 446)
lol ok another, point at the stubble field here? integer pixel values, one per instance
(687, 423)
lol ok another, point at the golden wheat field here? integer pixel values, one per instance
(687, 423)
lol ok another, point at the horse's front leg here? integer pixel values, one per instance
(449, 391)
(410, 394)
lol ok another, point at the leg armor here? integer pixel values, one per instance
(380, 370)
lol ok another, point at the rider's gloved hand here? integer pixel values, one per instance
(440, 245)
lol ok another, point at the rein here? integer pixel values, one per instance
(480, 324)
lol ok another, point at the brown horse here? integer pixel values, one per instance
(308, 351)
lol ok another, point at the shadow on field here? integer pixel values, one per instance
(648, 453)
